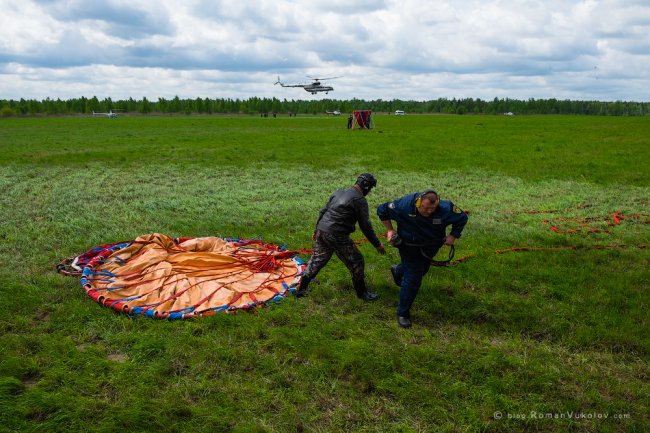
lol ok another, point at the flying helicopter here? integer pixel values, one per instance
(312, 88)
(111, 113)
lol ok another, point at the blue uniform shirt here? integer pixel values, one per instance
(417, 230)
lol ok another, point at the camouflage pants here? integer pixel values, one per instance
(326, 245)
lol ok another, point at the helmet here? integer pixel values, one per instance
(366, 181)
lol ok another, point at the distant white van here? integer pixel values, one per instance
(399, 113)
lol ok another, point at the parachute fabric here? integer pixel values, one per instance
(162, 277)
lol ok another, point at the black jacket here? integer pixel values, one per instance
(344, 209)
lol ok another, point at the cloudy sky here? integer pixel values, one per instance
(406, 49)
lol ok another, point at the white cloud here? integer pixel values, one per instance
(591, 49)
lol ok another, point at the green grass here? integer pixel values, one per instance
(550, 332)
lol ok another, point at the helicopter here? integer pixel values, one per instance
(111, 113)
(312, 88)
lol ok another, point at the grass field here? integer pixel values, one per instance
(521, 341)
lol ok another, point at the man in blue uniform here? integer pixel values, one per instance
(336, 221)
(422, 219)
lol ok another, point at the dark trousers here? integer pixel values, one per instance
(345, 249)
(413, 267)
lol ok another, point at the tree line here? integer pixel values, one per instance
(255, 105)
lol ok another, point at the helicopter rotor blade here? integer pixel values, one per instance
(323, 79)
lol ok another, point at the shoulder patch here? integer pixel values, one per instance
(457, 209)
(391, 205)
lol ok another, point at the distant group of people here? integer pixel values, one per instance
(274, 114)
(422, 219)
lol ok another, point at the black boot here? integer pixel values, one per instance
(404, 322)
(397, 275)
(303, 286)
(362, 292)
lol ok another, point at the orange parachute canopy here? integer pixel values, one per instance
(159, 276)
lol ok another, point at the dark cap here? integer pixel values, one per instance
(366, 181)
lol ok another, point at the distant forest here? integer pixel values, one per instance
(255, 106)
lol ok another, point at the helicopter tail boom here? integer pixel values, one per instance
(288, 85)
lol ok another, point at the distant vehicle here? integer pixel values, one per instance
(509, 113)
(333, 113)
(399, 113)
(110, 114)
(312, 88)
